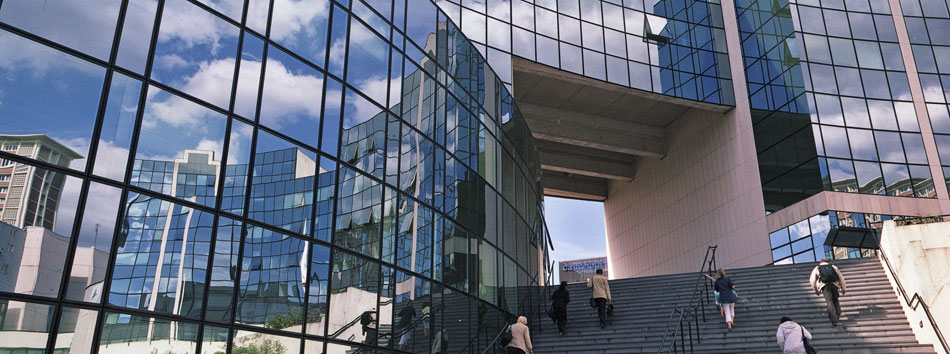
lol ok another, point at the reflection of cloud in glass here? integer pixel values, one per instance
(196, 52)
(87, 26)
(192, 25)
(289, 95)
(48, 92)
(172, 124)
(301, 27)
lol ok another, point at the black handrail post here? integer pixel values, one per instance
(699, 339)
(691, 350)
(682, 337)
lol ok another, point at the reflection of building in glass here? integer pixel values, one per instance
(29, 196)
(294, 185)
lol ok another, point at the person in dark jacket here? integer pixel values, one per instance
(727, 297)
(368, 322)
(405, 324)
(559, 300)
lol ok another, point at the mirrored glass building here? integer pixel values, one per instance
(764, 127)
(246, 177)
(356, 176)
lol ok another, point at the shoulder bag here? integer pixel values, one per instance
(808, 348)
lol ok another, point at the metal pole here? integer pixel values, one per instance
(682, 337)
(699, 339)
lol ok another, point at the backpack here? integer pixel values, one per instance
(366, 318)
(827, 274)
(506, 336)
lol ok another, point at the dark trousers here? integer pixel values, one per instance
(830, 292)
(370, 335)
(601, 310)
(513, 350)
(560, 317)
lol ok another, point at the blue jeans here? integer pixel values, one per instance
(601, 309)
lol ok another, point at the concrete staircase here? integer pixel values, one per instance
(873, 321)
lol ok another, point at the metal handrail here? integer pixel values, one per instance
(355, 320)
(910, 301)
(689, 313)
(493, 341)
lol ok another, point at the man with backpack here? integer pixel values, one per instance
(368, 322)
(827, 280)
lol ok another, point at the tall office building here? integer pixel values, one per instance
(777, 130)
(287, 175)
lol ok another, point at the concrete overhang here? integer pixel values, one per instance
(589, 131)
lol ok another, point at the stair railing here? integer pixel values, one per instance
(687, 315)
(913, 301)
(493, 341)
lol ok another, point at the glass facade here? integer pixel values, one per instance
(832, 107)
(259, 177)
(804, 241)
(676, 48)
(926, 23)
(341, 176)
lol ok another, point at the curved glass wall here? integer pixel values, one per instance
(832, 108)
(258, 176)
(676, 48)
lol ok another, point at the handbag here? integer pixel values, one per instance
(808, 348)
(552, 314)
(593, 303)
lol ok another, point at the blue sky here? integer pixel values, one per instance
(577, 228)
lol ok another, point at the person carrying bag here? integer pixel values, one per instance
(793, 338)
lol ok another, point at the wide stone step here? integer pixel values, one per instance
(873, 320)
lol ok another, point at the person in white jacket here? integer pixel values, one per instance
(789, 336)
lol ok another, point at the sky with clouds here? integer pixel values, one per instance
(577, 228)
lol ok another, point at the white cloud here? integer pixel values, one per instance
(293, 17)
(358, 110)
(287, 94)
(171, 62)
(211, 145)
(193, 25)
(375, 87)
(338, 51)
(111, 160)
(20, 54)
(175, 111)
(88, 26)
(212, 82)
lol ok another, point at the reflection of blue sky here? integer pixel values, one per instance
(136, 35)
(47, 92)
(252, 55)
(301, 26)
(172, 124)
(87, 26)
(358, 109)
(230, 8)
(196, 52)
(368, 62)
(99, 216)
(291, 102)
(118, 124)
(840, 169)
